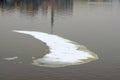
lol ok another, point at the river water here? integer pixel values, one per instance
(92, 23)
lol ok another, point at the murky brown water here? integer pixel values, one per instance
(93, 23)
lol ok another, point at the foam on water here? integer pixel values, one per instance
(62, 52)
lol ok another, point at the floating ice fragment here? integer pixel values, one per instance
(10, 58)
(63, 52)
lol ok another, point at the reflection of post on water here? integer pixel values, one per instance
(60, 6)
(52, 16)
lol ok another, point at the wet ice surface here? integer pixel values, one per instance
(62, 52)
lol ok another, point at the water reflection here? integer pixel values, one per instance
(33, 6)
(44, 7)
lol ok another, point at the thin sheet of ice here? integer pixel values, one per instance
(10, 58)
(63, 52)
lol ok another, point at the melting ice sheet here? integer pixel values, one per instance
(62, 52)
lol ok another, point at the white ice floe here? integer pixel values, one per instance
(62, 52)
(10, 58)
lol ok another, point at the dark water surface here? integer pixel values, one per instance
(93, 23)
